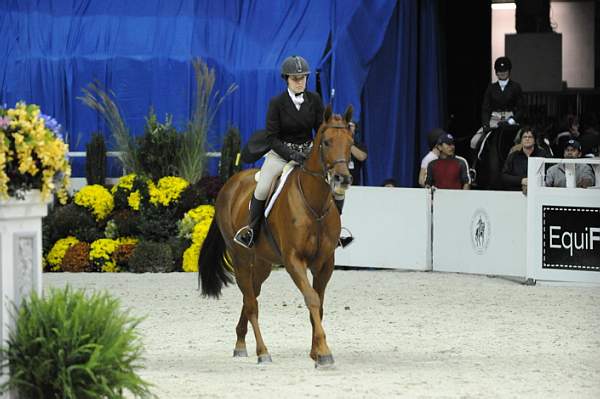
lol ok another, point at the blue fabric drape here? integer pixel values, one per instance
(142, 51)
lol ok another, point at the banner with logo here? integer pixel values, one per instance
(571, 238)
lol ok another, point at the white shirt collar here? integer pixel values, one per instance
(297, 100)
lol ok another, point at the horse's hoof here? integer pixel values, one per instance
(240, 353)
(264, 359)
(324, 361)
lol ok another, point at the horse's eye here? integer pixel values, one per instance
(326, 143)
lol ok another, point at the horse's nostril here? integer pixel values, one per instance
(337, 178)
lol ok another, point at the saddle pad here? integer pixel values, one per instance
(287, 169)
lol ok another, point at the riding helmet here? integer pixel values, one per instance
(294, 65)
(502, 64)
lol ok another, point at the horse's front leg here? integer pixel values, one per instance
(320, 280)
(297, 267)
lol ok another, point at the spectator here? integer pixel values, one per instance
(358, 154)
(434, 153)
(555, 177)
(502, 101)
(569, 130)
(447, 171)
(390, 183)
(514, 173)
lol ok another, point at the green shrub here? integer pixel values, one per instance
(157, 223)
(70, 220)
(178, 246)
(69, 345)
(230, 163)
(158, 147)
(127, 223)
(194, 195)
(95, 161)
(153, 257)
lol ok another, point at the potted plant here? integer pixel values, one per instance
(33, 167)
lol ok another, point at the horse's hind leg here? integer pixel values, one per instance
(297, 270)
(250, 279)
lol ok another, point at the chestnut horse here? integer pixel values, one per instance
(304, 225)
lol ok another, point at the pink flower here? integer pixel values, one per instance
(4, 122)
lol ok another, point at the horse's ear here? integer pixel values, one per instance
(327, 113)
(348, 113)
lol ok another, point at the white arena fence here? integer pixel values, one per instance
(551, 234)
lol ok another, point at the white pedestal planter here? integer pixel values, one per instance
(20, 254)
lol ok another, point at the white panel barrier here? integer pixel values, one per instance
(480, 232)
(563, 226)
(391, 228)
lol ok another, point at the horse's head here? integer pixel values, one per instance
(333, 143)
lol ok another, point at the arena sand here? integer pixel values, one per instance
(393, 334)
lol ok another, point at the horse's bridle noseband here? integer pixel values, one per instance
(325, 168)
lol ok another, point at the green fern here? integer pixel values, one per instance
(72, 346)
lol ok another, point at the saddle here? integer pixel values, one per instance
(276, 186)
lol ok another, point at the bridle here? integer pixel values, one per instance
(325, 167)
(324, 173)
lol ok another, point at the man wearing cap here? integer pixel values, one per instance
(555, 177)
(502, 101)
(447, 171)
(434, 153)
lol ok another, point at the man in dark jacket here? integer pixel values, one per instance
(514, 173)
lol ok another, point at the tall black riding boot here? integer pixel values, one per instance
(247, 235)
(344, 241)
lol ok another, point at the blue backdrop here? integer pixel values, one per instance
(381, 56)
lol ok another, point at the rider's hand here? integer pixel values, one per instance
(298, 157)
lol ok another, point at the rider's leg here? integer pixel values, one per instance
(272, 167)
(339, 203)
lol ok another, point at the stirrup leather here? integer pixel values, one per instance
(244, 237)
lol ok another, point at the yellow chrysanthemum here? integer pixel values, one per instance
(101, 252)
(97, 199)
(167, 190)
(134, 200)
(57, 253)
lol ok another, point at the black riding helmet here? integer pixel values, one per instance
(294, 66)
(502, 64)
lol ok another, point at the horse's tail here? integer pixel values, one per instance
(213, 274)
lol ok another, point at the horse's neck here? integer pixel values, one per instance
(314, 189)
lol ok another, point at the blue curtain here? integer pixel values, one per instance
(142, 51)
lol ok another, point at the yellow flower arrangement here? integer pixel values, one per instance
(167, 190)
(101, 252)
(32, 153)
(97, 199)
(57, 253)
(125, 185)
(201, 218)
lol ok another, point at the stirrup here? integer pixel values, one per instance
(345, 241)
(244, 237)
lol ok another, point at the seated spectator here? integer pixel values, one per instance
(434, 153)
(569, 130)
(358, 154)
(514, 172)
(447, 171)
(555, 177)
(390, 183)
